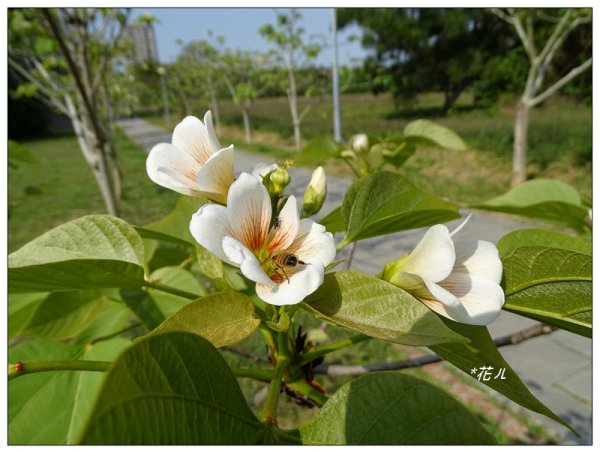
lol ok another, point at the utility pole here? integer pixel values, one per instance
(162, 72)
(337, 121)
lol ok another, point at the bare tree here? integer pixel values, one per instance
(563, 22)
(63, 56)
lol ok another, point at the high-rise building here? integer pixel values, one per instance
(144, 42)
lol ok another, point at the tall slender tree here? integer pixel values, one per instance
(287, 35)
(542, 34)
(62, 57)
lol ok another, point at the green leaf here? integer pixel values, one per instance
(548, 277)
(172, 388)
(378, 309)
(390, 408)
(209, 264)
(48, 408)
(222, 318)
(21, 307)
(144, 307)
(433, 133)
(63, 315)
(334, 221)
(483, 352)
(174, 277)
(109, 321)
(542, 198)
(97, 251)
(385, 202)
(177, 222)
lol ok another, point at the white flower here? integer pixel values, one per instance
(285, 256)
(458, 280)
(194, 163)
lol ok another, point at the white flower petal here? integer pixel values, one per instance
(170, 167)
(433, 257)
(478, 258)
(209, 226)
(191, 136)
(212, 136)
(313, 242)
(216, 176)
(481, 298)
(285, 229)
(261, 170)
(249, 208)
(240, 256)
(300, 285)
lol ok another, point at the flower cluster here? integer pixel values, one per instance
(284, 255)
(253, 225)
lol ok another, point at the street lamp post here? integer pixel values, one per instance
(337, 122)
(161, 72)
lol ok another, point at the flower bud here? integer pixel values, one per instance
(359, 143)
(315, 194)
(280, 179)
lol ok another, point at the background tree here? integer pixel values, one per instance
(204, 59)
(62, 57)
(542, 34)
(246, 79)
(287, 36)
(428, 49)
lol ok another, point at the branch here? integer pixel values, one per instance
(557, 37)
(357, 370)
(108, 55)
(562, 82)
(19, 369)
(52, 99)
(247, 354)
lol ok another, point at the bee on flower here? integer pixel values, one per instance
(286, 256)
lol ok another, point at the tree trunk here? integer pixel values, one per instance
(520, 143)
(297, 135)
(214, 107)
(247, 128)
(102, 175)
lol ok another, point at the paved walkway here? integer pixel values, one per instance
(557, 368)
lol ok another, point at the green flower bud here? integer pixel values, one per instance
(280, 179)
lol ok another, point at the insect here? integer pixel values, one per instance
(277, 223)
(19, 366)
(286, 260)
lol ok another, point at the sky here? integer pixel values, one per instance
(240, 27)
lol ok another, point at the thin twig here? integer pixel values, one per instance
(358, 370)
(247, 354)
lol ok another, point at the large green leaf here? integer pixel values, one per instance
(542, 198)
(222, 318)
(385, 202)
(97, 251)
(548, 277)
(172, 388)
(175, 277)
(65, 314)
(482, 352)
(390, 408)
(378, 309)
(177, 222)
(48, 408)
(432, 133)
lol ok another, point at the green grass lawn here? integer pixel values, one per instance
(61, 187)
